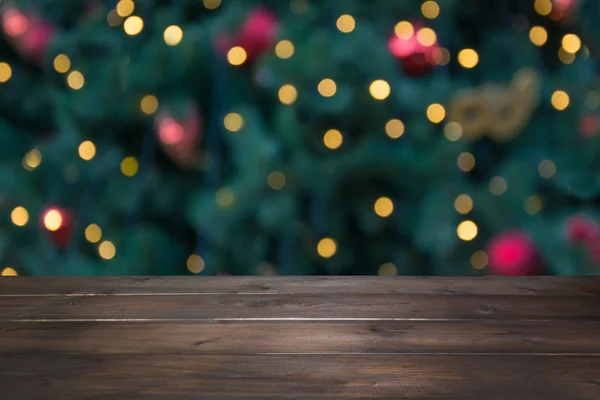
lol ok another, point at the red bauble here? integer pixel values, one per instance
(582, 229)
(180, 137)
(29, 33)
(258, 33)
(58, 225)
(416, 59)
(513, 254)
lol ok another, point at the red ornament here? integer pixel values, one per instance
(58, 225)
(513, 254)
(582, 229)
(416, 58)
(258, 33)
(29, 33)
(180, 137)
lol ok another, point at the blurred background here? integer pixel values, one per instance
(299, 137)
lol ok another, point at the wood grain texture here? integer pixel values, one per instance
(70, 376)
(503, 337)
(357, 306)
(502, 286)
(300, 338)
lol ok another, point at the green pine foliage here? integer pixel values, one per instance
(228, 205)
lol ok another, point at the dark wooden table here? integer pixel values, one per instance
(299, 338)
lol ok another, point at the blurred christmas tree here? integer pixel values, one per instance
(299, 137)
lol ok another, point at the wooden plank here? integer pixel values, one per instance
(486, 336)
(170, 377)
(327, 307)
(527, 286)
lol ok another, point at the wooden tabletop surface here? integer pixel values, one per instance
(178, 338)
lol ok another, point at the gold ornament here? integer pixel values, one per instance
(496, 111)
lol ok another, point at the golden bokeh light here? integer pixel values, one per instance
(479, 259)
(571, 43)
(436, 113)
(129, 166)
(387, 269)
(565, 57)
(463, 204)
(32, 159)
(8, 271)
(133, 25)
(19, 216)
(394, 128)
(538, 35)
(498, 186)
(53, 220)
(532, 204)
(467, 230)
(379, 89)
(327, 87)
(453, 131)
(113, 19)
(276, 180)
(236, 55)
(430, 9)
(332, 139)
(346, 23)
(62, 63)
(75, 80)
(87, 150)
(195, 264)
(212, 4)
(547, 169)
(466, 162)
(287, 94)
(284, 49)
(468, 58)
(543, 7)
(125, 8)
(93, 233)
(426, 37)
(441, 56)
(5, 72)
(326, 247)
(233, 122)
(224, 197)
(560, 100)
(107, 250)
(149, 104)
(404, 30)
(173, 35)
(384, 207)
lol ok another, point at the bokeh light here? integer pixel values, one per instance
(19, 216)
(387, 269)
(466, 161)
(463, 204)
(9, 271)
(237, 55)
(538, 35)
(107, 250)
(333, 139)
(129, 166)
(468, 58)
(547, 169)
(125, 8)
(233, 122)
(571, 43)
(149, 104)
(426, 37)
(346, 23)
(32, 159)
(327, 247)
(87, 150)
(62, 63)
(394, 128)
(75, 80)
(404, 30)
(284, 49)
(276, 180)
(384, 206)
(430, 9)
(212, 4)
(173, 35)
(287, 94)
(560, 100)
(379, 89)
(479, 259)
(133, 25)
(53, 220)
(327, 87)
(498, 186)
(195, 264)
(5, 72)
(93, 233)
(436, 113)
(466, 230)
